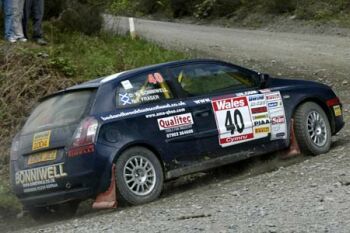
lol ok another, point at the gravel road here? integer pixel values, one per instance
(304, 194)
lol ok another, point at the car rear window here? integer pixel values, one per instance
(59, 110)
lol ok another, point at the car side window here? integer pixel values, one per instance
(198, 79)
(144, 88)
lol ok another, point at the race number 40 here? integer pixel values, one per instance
(233, 119)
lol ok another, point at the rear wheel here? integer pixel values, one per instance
(139, 176)
(312, 129)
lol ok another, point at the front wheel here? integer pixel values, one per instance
(139, 176)
(312, 129)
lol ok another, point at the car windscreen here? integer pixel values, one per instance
(59, 110)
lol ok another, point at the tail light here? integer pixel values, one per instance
(332, 102)
(84, 138)
(14, 149)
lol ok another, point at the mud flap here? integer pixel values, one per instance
(108, 199)
(293, 149)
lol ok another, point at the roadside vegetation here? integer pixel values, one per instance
(247, 12)
(77, 52)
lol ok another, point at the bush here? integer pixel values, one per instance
(81, 16)
(279, 6)
(53, 8)
(216, 8)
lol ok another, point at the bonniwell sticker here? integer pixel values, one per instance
(233, 119)
(41, 140)
(40, 178)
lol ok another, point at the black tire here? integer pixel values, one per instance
(54, 212)
(305, 131)
(151, 189)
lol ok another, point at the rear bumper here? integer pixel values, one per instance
(57, 197)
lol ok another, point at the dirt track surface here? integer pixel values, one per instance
(305, 194)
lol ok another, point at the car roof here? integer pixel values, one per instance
(93, 84)
(97, 82)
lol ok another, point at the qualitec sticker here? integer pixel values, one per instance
(175, 121)
(178, 125)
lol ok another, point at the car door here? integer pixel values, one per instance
(230, 114)
(147, 111)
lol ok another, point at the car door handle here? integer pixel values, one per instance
(202, 113)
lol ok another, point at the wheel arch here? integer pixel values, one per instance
(323, 105)
(144, 145)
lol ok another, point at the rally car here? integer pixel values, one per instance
(124, 135)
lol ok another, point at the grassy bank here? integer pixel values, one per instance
(28, 72)
(246, 12)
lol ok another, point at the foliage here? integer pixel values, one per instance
(305, 9)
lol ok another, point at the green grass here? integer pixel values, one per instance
(33, 71)
(85, 57)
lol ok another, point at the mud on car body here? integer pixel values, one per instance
(160, 122)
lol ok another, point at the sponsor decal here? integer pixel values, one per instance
(175, 121)
(230, 103)
(150, 98)
(263, 91)
(261, 116)
(261, 122)
(263, 130)
(125, 99)
(256, 97)
(154, 91)
(41, 140)
(337, 110)
(35, 176)
(126, 84)
(42, 157)
(246, 93)
(166, 113)
(273, 104)
(277, 115)
(179, 133)
(278, 120)
(141, 110)
(235, 139)
(259, 103)
(259, 110)
(202, 101)
(274, 96)
(232, 115)
(245, 118)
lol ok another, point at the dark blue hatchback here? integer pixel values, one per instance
(130, 132)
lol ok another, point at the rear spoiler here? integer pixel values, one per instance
(69, 90)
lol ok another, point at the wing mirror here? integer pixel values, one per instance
(264, 78)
